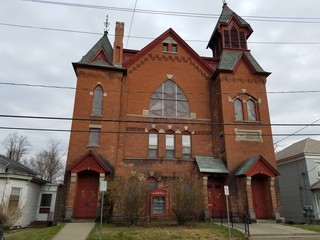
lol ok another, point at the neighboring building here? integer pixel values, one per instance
(299, 166)
(20, 187)
(163, 111)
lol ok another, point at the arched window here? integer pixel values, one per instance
(234, 37)
(251, 106)
(169, 101)
(186, 145)
(97, 101)
(169, 144)
(153, 143)
(238, 111)
(152, 183)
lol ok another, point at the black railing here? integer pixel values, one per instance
(237, 220)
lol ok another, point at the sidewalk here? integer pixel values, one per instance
(264, 231)
(75, 231)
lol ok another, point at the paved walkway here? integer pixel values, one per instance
(278, 231)
(75, 231)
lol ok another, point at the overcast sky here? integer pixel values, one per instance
(285, 42)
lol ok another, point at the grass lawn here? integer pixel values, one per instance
(311, 227)
(34, 233)
(200, 231)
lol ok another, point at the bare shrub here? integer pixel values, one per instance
(187, 198)
(9, 215)
(130, 197)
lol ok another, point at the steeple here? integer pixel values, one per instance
(231, 32)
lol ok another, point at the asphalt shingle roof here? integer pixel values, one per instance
(306, 146)
(14, 165)
(229, 59)
(103, 44)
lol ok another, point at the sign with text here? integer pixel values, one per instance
(103, 186)
(226, 190)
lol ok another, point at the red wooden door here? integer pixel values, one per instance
(87, 195)
(216, 199)
(259, 197)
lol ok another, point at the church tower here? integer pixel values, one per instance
(241, 116)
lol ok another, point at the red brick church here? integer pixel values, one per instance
(164, 111)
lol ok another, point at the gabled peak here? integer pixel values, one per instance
(227, 14)
(100, 54)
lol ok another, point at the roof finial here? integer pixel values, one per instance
(106, 25)
(224, 2)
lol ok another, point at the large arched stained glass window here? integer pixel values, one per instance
(169, 101)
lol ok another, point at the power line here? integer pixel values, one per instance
(182, 14)
(165, 121)
(299, 130)
(137, 132)
(148, 38)
(135, 5)
(143, 92)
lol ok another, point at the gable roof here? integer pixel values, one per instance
(229, 59)
(99, 56)
(98, 161)
(306, 146)
(182, 44)
(16, 167)
(247, 167)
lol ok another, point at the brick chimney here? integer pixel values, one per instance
(118, 44)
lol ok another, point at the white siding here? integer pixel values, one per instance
(31, 200)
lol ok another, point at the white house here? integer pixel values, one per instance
(20, 187)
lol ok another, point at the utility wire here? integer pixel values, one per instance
(183, 14)
(165, 121)
(139, 132)
(135, 5)
(149, 38)
(308, 125)
(144, 92)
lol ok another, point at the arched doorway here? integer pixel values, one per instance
(87, 195)
(261, 196)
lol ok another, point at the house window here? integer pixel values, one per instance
(94, 137)
(174, 48)
(45, 203)
(169, 101)
(186, 146)
(152, 183)
(251, 106)
(169, 144)
(238, 111)
(165, 47)
(14, 197)
(97, 101)
(153, 144)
